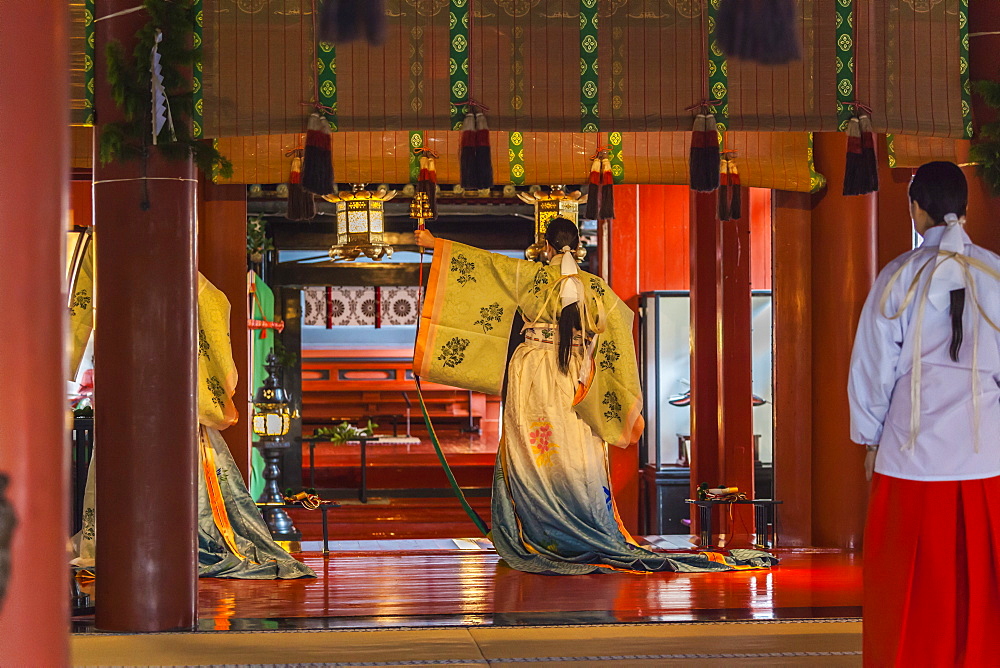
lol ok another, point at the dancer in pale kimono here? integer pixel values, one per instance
(925, 399)
(233, 540)
(572, 388)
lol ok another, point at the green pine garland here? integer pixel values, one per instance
(986, 150)
(131, 83)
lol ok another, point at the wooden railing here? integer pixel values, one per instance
(356, 385)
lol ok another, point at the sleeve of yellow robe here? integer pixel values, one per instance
(468, 311)
(465, 325)
(611, 402)
(81, 311)
(216, 369)
(216, 385)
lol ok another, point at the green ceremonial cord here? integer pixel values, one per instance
(473, 515)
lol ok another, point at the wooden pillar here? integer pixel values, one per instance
(895, 229)
(721, 393)
(623, 277)
(792, 280)
(844, 247)
(34, 169)
(146, 396)
(984, 63)
(706, 393)
(736, 371)
(222, 258)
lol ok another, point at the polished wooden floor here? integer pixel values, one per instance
(455, 587)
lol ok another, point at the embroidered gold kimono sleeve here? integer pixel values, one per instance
(466, 320)
(216, 369)
(465, 328)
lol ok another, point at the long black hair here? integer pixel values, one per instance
(940, 188)
(562, 233)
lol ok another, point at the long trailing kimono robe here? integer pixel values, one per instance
(553, 509)
(233, 540)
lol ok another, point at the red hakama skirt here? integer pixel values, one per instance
(932, 573)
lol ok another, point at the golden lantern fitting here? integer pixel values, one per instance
(555, 203)
(360, 223)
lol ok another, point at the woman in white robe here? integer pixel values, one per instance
(924, 394)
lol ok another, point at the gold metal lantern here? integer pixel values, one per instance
(272, 415)
(556, 203)
(361, 223)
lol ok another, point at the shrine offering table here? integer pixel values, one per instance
(363, 488)
(765, 519)
(323, 508)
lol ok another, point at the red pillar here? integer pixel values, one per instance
(146, 395)
(34, 169)
(895, 231)
(623, 278)
(844, 247)
(792, 277)
(735, 371)
(706, 393)
(222, 258)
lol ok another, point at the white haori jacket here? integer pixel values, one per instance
(955, 434)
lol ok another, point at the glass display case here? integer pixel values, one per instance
(665, 368)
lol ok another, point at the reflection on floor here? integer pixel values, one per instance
(404, 545)
(392, 519)
(420, 588)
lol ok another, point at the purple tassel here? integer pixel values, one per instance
(854, 179)
(317, 166)
(482, 158)
(301, 204)
(467, 176)
(593, 191)
(763, 31)
(868, 158)
(343, 21)
(704, 162)
(723, 191)
(607, 208)
(736, 203)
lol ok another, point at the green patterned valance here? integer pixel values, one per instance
(589, 81)
(416, 142)
(963, 66)
(515, 156)
(845, 61)
(615, 142)
(458, 59)
(326, 81)
(718, 70)
(198, 117)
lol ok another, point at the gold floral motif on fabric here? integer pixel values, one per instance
(922, 6)
(517, 8)
(251, 6)
(689, 9)
(423, 7)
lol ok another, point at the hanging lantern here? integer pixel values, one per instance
(272, 415)
(555, 203)
(361, 223)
